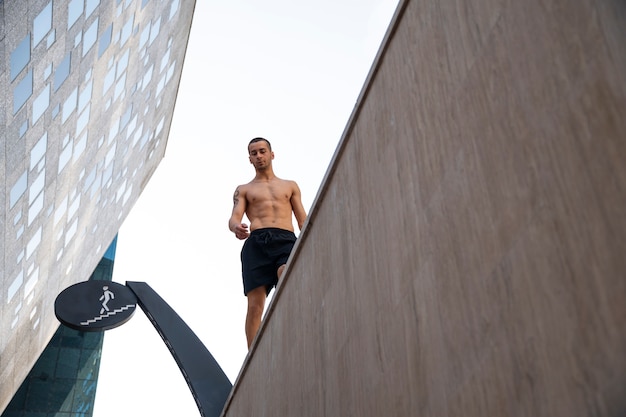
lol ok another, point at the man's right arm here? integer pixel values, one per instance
(239, 208)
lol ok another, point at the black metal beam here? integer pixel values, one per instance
(207, 381)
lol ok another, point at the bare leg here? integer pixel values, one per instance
(280, 270)
(256, 304)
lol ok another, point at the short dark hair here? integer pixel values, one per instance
(259, 139)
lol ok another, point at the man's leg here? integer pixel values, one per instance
(256, 304)
(280, 270)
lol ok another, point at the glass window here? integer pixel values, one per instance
(15, 285)
(145, 35)
(113, 131)
(42, 24)
(109, 158)
(78, 38)
(74, 10)
(105, 40)
(20, 57)
(62, 71)
(61, 209)
(89, 179)
(55, 110)
(18, 189)
(160, 86)
(91, 6)
(127, 30)
(119, 87)
(71, 231)
(165, 60)
(174, 8)
(33, 243)
(51, 39)
(85, 96)
(41, 103)
(69, 105)
(122, 63)
(131, 127)
(64, 157)
(22, 92)
(23, 128)
(108, 80)
(125, 118)
(38, 151)
(147, 77)
(82, 121)
(36, 187)
(47, 71)
(81, 144)
(154, 31)
(91, 34)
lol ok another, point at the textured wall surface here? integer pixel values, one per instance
(465, 255)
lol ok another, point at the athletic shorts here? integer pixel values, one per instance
(262, 254)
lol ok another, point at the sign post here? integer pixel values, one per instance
(93, 306)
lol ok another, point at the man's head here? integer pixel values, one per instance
(260, 153)
(259, 139)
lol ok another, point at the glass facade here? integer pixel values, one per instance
(63, 381)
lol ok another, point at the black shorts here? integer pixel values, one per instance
(262, 254)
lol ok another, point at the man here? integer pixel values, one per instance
(268, 202)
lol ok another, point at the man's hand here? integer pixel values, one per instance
(241, 231)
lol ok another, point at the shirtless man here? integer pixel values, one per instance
(268, 202)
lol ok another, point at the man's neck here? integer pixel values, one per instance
(265, 175)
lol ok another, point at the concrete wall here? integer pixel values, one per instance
(466, 255)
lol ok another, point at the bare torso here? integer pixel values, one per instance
(269, 203)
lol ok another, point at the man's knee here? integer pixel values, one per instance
(256, 301)
(281, 268)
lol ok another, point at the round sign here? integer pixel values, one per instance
(93, 306)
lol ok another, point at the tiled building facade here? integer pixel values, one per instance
(88, 92)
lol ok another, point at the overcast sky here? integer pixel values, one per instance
(287, 70)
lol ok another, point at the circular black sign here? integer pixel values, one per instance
(93, 306)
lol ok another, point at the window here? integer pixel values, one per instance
(62, 71)
(33, 243)
(22, 92)
(42, 24)
(122, 63)
(38, 151)
(85, 96)
(105, 40)
(154, 31)
(174, 8)
(41, 103)
(91, 34)
(19, 188)
(69, 105)
(91, 6)
(23, 128)
(20, 57)
(127, 30)
(74, 10)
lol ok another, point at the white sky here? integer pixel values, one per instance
(290, 71)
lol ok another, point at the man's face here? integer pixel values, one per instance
(260, 155)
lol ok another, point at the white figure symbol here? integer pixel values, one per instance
(105, 298)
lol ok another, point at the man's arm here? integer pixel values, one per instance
(296, 205)
(239, 208)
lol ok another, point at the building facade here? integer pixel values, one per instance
(88, 92)
(63, 381)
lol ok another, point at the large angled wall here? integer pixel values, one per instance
(466, 255)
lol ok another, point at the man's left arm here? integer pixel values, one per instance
(296, 205)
